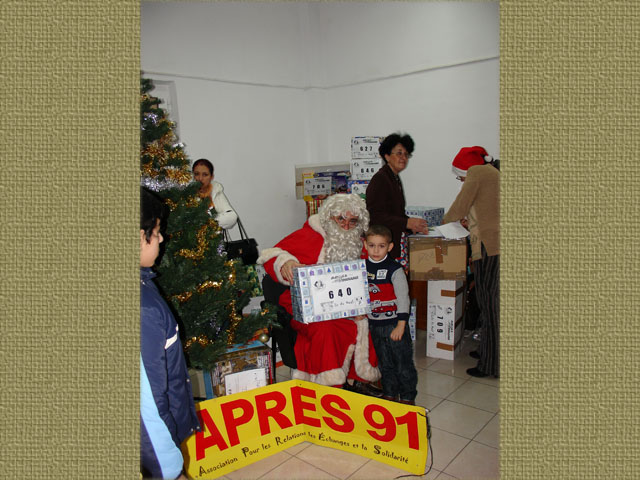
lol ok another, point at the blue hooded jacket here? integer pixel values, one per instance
(167, 410)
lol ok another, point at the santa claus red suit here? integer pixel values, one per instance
(326, 352)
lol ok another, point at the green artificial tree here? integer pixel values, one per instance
(206, 290)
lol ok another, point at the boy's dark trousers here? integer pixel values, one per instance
(395, 361)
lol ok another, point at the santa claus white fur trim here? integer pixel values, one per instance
(282, 256)
(361, 357)
(336, 376)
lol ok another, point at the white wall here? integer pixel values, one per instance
(263, 86)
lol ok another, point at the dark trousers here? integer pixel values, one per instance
(395, 361)
(487, 275)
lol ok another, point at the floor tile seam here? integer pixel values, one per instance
(457, 388)
(319, 468)
(274, 467)
(469, 440)
(472, 379)
(466, 376)
(432, 471)
(431, 409)
(485, 444)
(352, 477)
(480, 431)
(451, 433)
(460, 452)
(471, 406)
(437, 396)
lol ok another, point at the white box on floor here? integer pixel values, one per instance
(444, 318)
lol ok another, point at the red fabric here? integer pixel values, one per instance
(468, 157)
(304, 244)
(319, 346)
(323, 346)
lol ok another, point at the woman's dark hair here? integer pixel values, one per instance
(151, 210)
(392, 140)
(205, 162)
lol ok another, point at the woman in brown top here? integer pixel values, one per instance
(385, 195)
(479, 202)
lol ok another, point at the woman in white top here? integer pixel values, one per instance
(225, 215)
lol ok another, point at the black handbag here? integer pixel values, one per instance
(246, 248)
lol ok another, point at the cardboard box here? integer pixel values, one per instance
(253, 360)
(330, 291)
(365, 147)
(444, 318)
(365, 168)
(437, 258)
(433, 215)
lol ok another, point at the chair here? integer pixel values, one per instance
(282, 339)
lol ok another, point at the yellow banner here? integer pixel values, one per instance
(243, 428)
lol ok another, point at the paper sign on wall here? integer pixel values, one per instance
(317, 186)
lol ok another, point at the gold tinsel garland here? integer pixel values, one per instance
(235, 319)
(172, 205)
(192, 201)
(208, 284)
(201, 247)
(181, 176)
(183, 297)
(202, 340)
(155, 150)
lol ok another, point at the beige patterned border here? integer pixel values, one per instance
(569, 132)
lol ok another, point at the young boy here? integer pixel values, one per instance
(167, 411)
(389, 293)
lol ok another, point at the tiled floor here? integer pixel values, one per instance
(464, 415)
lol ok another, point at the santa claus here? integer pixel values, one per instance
(332, 351)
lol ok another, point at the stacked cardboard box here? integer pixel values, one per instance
(444, 318)
(433, 215)
(330, 291)
(432, 258)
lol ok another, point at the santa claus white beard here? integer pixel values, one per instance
(340, 244)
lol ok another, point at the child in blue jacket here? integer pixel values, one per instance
(167, 411)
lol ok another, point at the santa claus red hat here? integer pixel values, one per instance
(468, 157)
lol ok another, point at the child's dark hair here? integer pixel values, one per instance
(205, 162)
(392, 140)
(151, 210)
(379, 230)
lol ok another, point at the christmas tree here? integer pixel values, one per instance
(206, 290)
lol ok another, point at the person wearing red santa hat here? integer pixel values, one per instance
(479, 202)
(328, 352)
